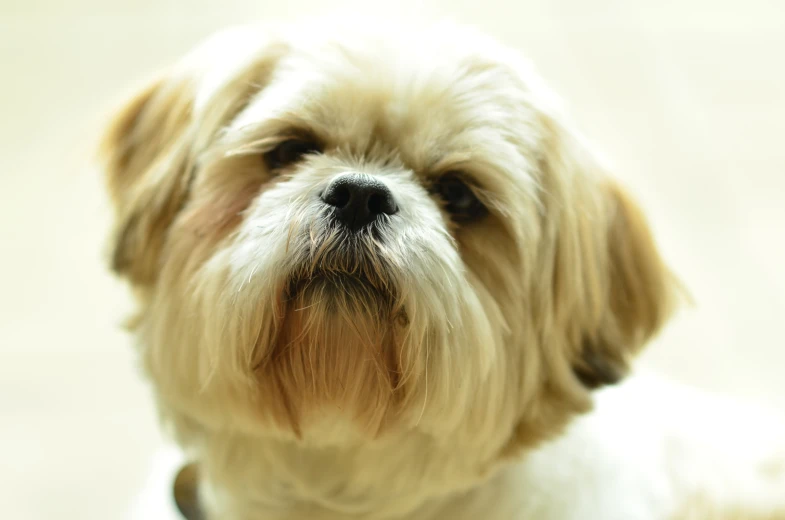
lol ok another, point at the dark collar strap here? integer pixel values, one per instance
(186, 492)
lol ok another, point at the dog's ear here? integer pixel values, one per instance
(151, 148)
(610, 290)
(146, 158)
(602, 290)
(637, 292)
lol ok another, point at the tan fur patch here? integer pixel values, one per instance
(214, 212)
(335, 352)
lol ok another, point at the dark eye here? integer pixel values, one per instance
(290, 152)
(459, 199)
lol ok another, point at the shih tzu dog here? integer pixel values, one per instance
(379, 275)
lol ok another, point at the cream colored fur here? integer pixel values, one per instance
(445, 377)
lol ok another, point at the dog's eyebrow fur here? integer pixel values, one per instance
(273, 135)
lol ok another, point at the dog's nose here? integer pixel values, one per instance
(359, 200)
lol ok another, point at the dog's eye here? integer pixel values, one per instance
(459, 199)
(289, 152)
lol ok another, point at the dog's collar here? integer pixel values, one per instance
(186, 492)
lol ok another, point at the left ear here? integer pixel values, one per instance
(601, 292)
(637, 291)
(607, 285)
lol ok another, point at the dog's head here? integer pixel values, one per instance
(346, 237)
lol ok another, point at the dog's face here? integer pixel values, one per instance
(349, 238)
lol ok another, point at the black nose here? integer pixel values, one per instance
(359, 200)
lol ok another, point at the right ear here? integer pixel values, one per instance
(146, 158)
(149, 150)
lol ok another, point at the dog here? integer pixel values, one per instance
(380, 275)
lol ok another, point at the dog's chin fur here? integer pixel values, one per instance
(312, 372)
(337, 350)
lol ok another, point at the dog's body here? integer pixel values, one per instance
(650, 450)
(381, 276)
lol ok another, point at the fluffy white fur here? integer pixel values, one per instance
(432, 368)
(650, 450)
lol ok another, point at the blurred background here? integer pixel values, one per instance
(686, 96)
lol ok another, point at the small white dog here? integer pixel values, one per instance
(380, 276)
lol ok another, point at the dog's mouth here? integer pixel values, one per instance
(335, 265)
(330, 286)
(349, 273)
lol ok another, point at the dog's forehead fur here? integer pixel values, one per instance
(429, 103)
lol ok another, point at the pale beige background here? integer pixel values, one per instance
(687, 96)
